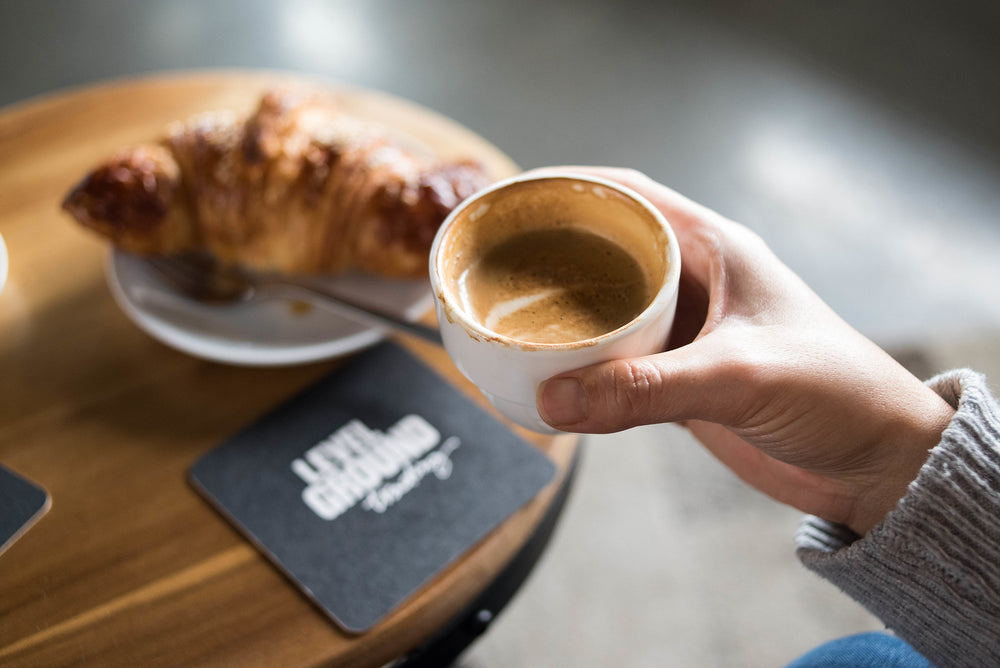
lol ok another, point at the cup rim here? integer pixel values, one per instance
(454, 312)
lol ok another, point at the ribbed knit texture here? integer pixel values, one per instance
(931, 569)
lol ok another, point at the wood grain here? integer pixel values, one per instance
(130, 567)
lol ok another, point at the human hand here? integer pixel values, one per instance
(765, 375)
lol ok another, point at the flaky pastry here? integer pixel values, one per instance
(296, 187)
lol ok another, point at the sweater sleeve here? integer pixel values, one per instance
(931, 569)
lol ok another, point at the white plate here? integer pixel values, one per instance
(266, 332)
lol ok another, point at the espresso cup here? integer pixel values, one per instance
(548, 272)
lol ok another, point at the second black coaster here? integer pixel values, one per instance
(22, 503)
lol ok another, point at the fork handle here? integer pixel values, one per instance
(368, 314)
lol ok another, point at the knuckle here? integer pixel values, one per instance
(633, 173)
(627, 176)
(635, 179)
(634, 385)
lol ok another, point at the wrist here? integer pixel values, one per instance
(902, 456)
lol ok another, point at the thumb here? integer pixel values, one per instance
(619, 394)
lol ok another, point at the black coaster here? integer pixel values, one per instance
(22, 503)
(369, 483)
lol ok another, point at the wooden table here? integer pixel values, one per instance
(130, 566)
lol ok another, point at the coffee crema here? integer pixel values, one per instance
(554, 285)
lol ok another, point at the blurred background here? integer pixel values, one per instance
(860, 139)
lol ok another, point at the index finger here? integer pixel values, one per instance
(679, 210)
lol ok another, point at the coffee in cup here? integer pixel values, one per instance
(554, 286)
(545, 273)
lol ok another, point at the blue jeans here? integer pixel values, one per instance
(864, 650)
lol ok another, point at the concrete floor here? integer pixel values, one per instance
(860, 139)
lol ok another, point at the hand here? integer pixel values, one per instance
(765, 375)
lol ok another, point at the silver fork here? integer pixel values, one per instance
(200, 277)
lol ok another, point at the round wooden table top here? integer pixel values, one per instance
(130, 566)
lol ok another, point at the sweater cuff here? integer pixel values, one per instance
(931, 569)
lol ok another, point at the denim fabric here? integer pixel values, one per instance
(865, 650)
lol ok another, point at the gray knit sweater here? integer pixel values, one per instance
(931, 569)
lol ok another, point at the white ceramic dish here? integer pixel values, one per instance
(272, 332)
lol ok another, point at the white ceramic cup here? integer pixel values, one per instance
(508, 371)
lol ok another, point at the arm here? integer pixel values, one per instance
(931, 569)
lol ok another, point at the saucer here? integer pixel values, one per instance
(262, 332)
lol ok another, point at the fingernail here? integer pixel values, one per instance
(563, 401)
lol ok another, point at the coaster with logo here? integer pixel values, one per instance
(365, 486)
(22, 503)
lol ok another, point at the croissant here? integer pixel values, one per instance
(295, 187)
